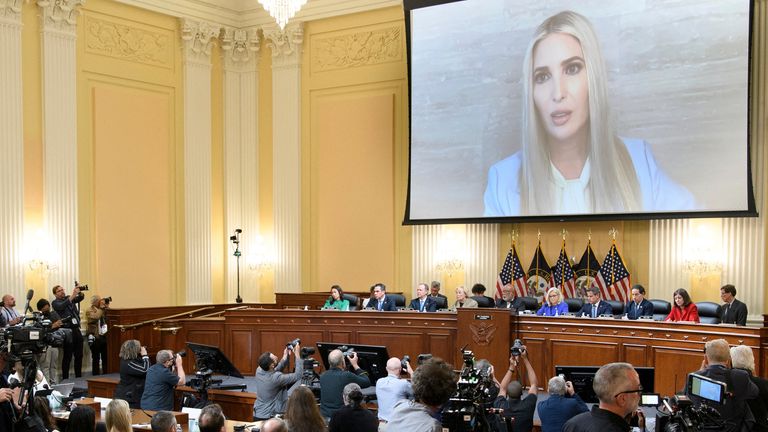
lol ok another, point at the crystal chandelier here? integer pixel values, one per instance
(282, 10)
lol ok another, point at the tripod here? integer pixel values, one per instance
(235, 239)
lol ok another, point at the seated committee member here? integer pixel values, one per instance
(273, 386)
(434, 290)
(162, 378)
(134, 364)
(553, 304)
(423, 302)
(391, 389)
(335, 378)
(462, 301)
(594, 306)
(478, 294)
(735, 415)
(742, 358)
(683, 309)
(563, 404)
(509, 301)
(380, 301)
(638, 306)
(617, 387)
(734, 311)
(336, 300)
(353, 416)
(434, 382)
(511, 399)
(571, 160)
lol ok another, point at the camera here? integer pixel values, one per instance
(469, 408)
(306, 352)
(517, 348)
(422, 358)
(182, 353)
(107, 300)
(404, 362)
(82, 287)
(346, 351)
(292, 344)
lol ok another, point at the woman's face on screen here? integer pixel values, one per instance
(560, 88)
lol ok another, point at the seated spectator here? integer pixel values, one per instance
(683, 309)
(638, 306)
(163, 421)
(510, 398)
(433, 384)
(563, 404)
(118, 416)
(336, 300)
(211, 419)
(462, 301)
(742, 358)
(617, 386)
(82, 419)
(274, 425)
(18, 375)
(553, 304)
(42, 409)
(301, 413)
(353, 416)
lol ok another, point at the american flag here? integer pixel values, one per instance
(512, 273)
(563, 277)
(613, 277)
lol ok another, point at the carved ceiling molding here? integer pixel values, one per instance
(60, 15)
(240, 47)
(357, 49)
(285, 44)
(10, 10)
(198, 37)
(129, 43)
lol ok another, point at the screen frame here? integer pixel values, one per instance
(694, 376)
(647, 377)
(751, 211)
(372, 358)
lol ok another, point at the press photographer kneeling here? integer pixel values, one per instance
(272, 385)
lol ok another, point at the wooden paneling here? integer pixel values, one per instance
(636, 354)
(673, 366)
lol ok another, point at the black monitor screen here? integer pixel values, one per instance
(371, 358)
(211, 357)
(706, 388)
(582, 376)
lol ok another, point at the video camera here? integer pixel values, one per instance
(34, 336)
(466, 410)
(695, 413)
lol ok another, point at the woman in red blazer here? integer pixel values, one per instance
(683, 309)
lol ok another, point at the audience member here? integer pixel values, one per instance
(18, 375)
(49, 360)
(594, 306)
(10, 314)
(273, 386)
(336, 300)
(66, 307)
(553, 304)
(638, 306)
(118, 416)
(511, 399)
(380, 300)
(734, 311)
(433, 384)
(683, 309)
(162, 378)
(462, 301)
(42, 410)
(134, 364)
(563, 404)
(434, 290)
(335, 378)
(391, 389)
(163, 421)
(423, 302)
(478, 295)
(618, 390)
(353, 416)
(509, 301)
(96, 329)
(735, 414)
(742, 358)
(301, 413)
(274, 425)
(211, 419)
(82, 419)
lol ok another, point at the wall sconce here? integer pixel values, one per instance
(263, 260)
(451, 254)
(39, 254)
(702, 255)
(702, 263)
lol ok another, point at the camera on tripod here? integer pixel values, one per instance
(693, 414)
(466, 409)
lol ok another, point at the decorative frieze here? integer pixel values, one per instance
(10, 11)
(241, 47)
(128, 43)
(357, 49)
(198, 37)
(285, 44)
(60, 14)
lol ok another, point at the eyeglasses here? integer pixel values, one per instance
(553, 295)
(639, 390)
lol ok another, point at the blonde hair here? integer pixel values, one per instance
(613, 184)
(118, 416)
(559, 296)
(717, 351)
(742, 358)
(130, 349)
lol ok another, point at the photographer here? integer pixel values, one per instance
(562, 404)
(333, 380)
(96, 329)
(510, 394)
(391, 389)
(49, 360)
(273, 386)
(162, 377)
(433, 384)
(70, 317)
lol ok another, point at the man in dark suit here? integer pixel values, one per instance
(478, 294)
(594, 306)
(423, 302)
(509, 301)
(434, 291)
(734, 311)
(380, 300)
(735, 415)
(638, 306)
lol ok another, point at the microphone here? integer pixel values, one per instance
(30, 294)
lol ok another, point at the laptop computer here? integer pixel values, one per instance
(65, 389)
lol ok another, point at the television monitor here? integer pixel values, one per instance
(582, 377)
(631, 110)
(705, 388)
(211, 357)
(371, 358)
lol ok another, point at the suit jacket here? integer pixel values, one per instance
(602, 308)
(387, 305)
(735, 411)
(516, 304)
(634, 311)
(430, 304)
(736, 313)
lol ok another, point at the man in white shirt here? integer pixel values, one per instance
(433, 384)
(391, 389)
(10, 315)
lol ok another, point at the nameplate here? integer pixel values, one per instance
(483, 317)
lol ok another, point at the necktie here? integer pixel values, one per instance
(380, 304)
(594, 311)
(421, 306)
(725, 313)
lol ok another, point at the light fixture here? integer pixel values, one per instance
(39, 254)
(263, 259)
(282, 10)
(451, 252)
(702, 264)
(702, 255)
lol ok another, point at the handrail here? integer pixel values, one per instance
(222, 311)
(124, 327)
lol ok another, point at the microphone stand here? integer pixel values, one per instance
(236, 240)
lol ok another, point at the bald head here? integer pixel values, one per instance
(336, 359)
(274, 425)
(393, 366)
